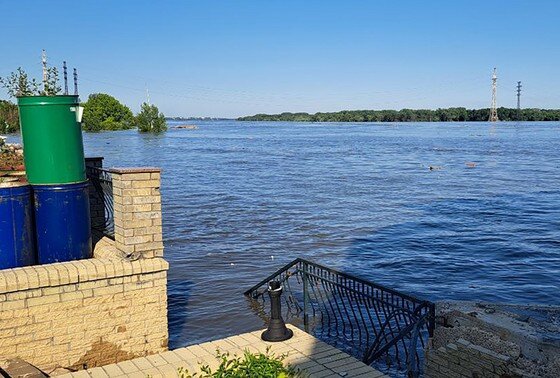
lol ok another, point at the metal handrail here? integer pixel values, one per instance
(357, 279)
(101, 181)
(379, 325)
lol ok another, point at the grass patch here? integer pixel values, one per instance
(250, 365)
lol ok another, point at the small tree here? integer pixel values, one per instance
(18, 84)
(50, 86)
(150, 119)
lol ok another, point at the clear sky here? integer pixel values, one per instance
(236, 57)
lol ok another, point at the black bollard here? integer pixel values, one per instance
(277, 330)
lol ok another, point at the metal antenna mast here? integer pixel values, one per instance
(65, 78)
(75, 82)
(494, 108)
(519, 101)
(44, 62)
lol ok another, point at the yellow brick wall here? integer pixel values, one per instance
(137, 211)
(93, 312)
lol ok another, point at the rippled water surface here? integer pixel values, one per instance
(242, 199)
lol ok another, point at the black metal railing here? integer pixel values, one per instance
(101, 201)
(380, 326)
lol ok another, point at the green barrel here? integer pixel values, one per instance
(52, 139)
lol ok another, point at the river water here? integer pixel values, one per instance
(242, 199)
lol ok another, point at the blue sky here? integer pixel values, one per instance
(231, 58)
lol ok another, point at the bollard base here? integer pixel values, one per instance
(277, 331)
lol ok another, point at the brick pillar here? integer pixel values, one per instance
(96, 206)
(137, 211)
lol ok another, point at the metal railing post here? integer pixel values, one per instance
(432, 320)
(305, 298)
(277, 330)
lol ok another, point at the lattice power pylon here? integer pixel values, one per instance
(519, 100)
(494, 107)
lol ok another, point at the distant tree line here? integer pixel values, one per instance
(412, 115)
(197, 119)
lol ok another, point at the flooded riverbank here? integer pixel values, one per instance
(241, 199)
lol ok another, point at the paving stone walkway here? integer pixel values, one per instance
(310, 355)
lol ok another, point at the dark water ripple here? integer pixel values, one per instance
(241, 199)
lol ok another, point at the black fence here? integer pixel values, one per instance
(380, 326)
(101, 201)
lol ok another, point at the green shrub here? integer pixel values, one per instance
(104, 112)
(150, 120)
(251, 365)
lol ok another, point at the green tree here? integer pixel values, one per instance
(9, 117)
(104, 112)
(18, 84)
(150, 119)
(50, 85)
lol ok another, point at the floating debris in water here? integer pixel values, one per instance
(185, 127)
(470, 164)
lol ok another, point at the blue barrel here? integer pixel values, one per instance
(17, 239)
(62, 222)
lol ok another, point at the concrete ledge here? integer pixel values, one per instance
(304, 352)
(495, 340)
(135, 170)
(104, 248)
(42, 276)
(464, 359)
